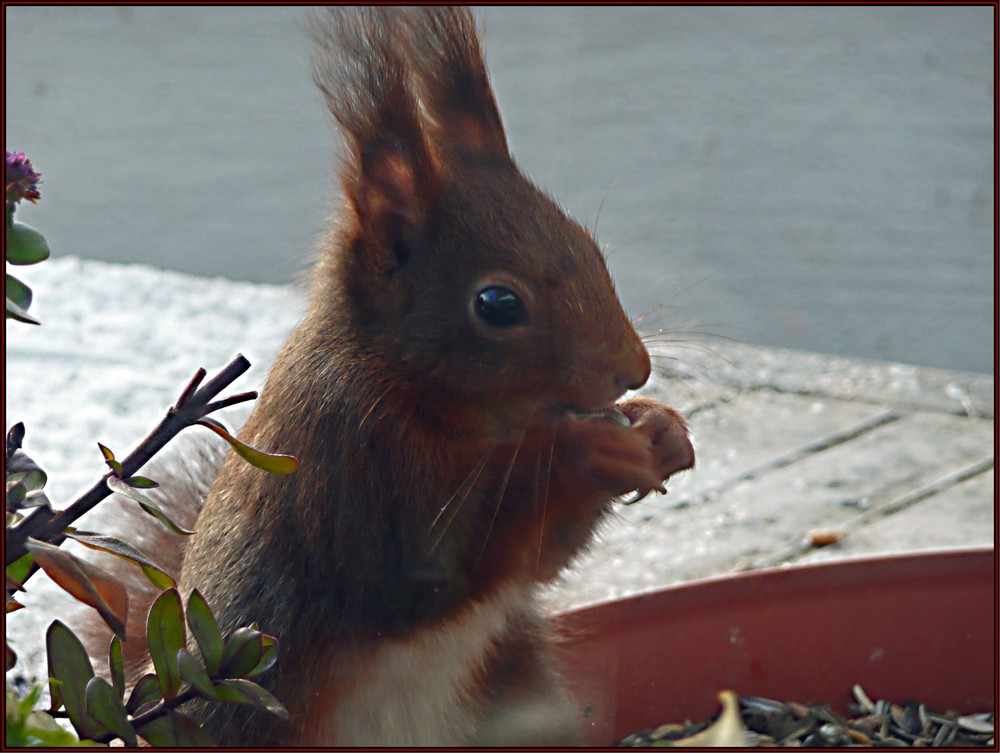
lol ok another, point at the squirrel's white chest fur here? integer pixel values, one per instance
(425, 690)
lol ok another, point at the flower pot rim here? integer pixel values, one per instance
(912, 626)
(844, 571)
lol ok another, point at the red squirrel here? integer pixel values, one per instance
(451, 396)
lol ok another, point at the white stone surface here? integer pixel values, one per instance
(787, 442)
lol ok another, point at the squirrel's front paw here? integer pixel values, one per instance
(666, 432)
(637, 458)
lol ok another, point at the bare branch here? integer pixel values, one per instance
(195, 402)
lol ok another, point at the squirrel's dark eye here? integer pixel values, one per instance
(500, 307)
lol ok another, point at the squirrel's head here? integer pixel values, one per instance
(467, 281)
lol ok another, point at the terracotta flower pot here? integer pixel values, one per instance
(918, 626)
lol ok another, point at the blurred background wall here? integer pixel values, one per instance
(819, 178)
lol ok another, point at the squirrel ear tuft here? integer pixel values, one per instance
(360, 65)
(454, 85)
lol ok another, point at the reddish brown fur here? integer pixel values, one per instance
(439, 464)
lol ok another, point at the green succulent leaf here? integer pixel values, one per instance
(159, 733)
(193, 671)
(25, 245)
(24, 480)
(176, 730)
(37, 499)
(158, 578)
(281, 465)
(18, 716)
(243, 651)
(118, 485)
(146, 690)
(31, 480)
(15, 496)
(244, 691)
(105, 706)
(15, 438)
(268, 657)
(17, 291)
(125, 551)
(205, 630)
(21, 469)
(27, 704)
(13, 311)
(19, 497)
(26, 727)
(17, 571)
(189, 732)
(85, 582)
(165, 635)
(70, 665)
(116, 665)
(141, 482)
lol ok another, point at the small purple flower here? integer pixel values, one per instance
(20, 178)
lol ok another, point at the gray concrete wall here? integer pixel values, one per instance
(812, 178)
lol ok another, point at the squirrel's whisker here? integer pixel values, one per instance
(545, 498)
(503, 488)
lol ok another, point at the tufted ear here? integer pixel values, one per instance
(391, 187)
(454, 85)
(389, 192)
(388, 173)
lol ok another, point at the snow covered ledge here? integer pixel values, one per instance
(118, 343)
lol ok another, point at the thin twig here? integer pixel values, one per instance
(194, 403)
(193, 385)
(230, 401)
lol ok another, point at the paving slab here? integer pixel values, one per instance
(891, 384)
(898, 457)
(751, 433)
(953, 518)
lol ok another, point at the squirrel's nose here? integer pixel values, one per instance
(635, 368)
